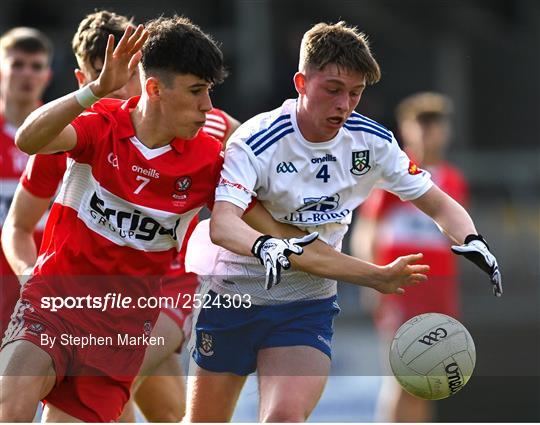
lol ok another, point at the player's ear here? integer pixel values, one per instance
(152, 88)
(79, 75)
(300, 82)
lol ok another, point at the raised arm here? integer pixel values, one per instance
(48, 129)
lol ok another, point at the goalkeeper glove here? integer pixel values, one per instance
(273, 253)
(476, 249)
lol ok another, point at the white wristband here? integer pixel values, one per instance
(86, 97)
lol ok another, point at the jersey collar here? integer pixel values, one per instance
(126, 129)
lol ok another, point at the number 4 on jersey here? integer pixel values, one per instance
(323, 173)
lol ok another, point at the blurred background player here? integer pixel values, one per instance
(387, 227)
(160, 391)
(25, 60)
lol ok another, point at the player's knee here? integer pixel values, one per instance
(167, 417)
(171, 414)
(285, 412)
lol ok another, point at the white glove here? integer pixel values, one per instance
(273, 253)
(476, 249)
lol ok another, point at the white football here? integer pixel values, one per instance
(432, 356)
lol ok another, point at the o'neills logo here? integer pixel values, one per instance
(327, 158)
(150, 172)
(455, 380)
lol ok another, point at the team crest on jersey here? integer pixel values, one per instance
(360, 163)
(413, 169)
(147, 327)
(182, 183)
(207, 345)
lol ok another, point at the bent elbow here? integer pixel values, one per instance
(216, 233)
(23, 143)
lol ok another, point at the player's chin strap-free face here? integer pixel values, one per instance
(273, 253)
(476, 249)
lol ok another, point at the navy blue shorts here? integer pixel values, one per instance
(228, 339)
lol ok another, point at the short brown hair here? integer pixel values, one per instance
(424, 107)
(178, 46)
(28, 40)
(338, 44)
(90, 40)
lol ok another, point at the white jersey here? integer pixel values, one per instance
(314, 186)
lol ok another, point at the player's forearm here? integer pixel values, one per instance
(19, 248)
(229, 231)
(451, 217)
(322, 260)
(455, 221)
(46, 123)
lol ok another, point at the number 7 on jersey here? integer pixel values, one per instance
(144, 182)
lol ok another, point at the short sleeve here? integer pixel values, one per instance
(400, 175)
(89, 126)
(43, 174)
(238, 177)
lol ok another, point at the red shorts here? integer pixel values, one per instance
(92, 382)
(182, 288)
(440, 294)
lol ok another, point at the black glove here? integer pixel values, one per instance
(273, 253)
(476, 249)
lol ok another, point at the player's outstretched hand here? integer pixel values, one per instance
(120, 62)
(402, 272)
(476, 249)
(273, 253)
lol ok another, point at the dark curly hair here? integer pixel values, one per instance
(90, 40)
(178, 46)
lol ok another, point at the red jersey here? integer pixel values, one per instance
(44, 173)
(122, 211)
